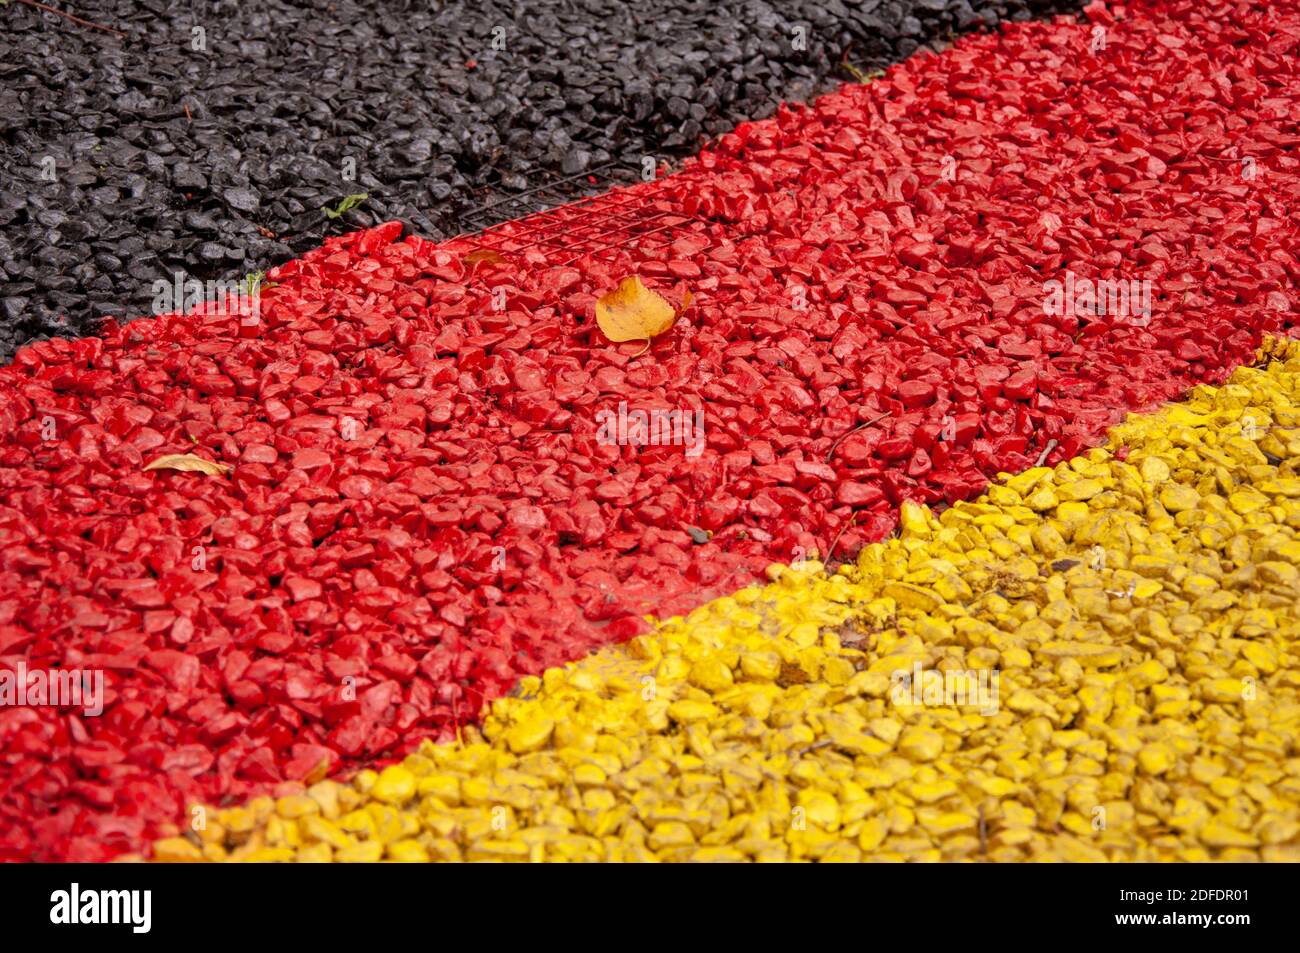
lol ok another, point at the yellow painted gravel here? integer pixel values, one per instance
(1096, 661)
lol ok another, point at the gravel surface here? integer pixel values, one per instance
(204, 142)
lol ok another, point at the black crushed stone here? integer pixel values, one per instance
(207, 140)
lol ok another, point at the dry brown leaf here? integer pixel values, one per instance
(189, 463)
(632, 312)
(481, 255)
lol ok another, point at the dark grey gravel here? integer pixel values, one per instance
(207, 140)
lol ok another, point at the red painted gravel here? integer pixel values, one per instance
(332, 599)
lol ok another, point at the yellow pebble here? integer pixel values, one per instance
(530, 733)
(920, 744)
(395, 785)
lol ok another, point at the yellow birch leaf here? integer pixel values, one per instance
(632, 312)
(189, 463)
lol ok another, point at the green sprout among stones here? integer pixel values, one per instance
(256, 280)
(349, 202)
(860, 76)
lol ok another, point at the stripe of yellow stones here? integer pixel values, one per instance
(1093, 661)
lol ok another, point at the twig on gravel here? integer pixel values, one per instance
(815, 746)
(1042, 457)
(854, 515)
(835, 542)
(843, 436)
(74, 19)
